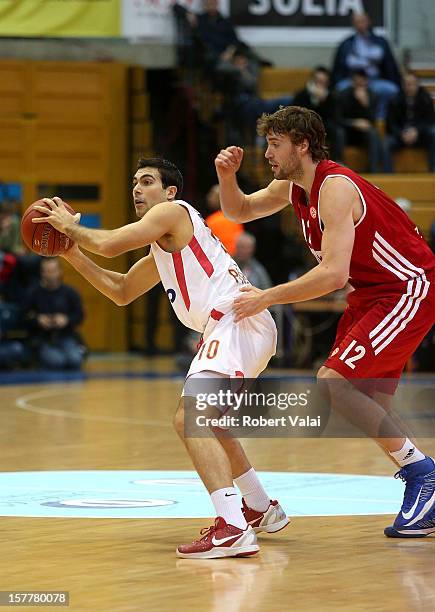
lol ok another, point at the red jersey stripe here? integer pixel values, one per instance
(216, 314)
(179, 273)
(202, 258)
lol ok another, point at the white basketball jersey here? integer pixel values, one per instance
(201, 280)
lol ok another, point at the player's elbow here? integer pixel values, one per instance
(339, 279)
(230, 216)
(124, 299)
(120, 300)
(119, 293)
(241, 215)
(337, 276)
(109, 249)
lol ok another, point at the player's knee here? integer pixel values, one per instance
(330, 383)
(324, 372)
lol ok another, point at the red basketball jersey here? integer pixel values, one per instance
(388, 247)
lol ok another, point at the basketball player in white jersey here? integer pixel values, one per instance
(201, 281)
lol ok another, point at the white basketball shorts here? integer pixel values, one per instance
(239, 350)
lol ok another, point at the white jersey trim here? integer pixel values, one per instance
(395, 322)
(407, 306)
(359, 193)
(399, 257)
(290, 191)
(383, 258)
(384, 264)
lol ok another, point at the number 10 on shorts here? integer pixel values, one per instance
(354, 352)
(209, 349)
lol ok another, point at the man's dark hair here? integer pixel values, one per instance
(169, 173)
(299, 123)
(359, 72)
(323, 69)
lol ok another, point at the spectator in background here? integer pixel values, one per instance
(356, 113)
(318, 97)
(410, 122)
(237, 78)
(12, 353)
(404, 204)
(254, 271)
(18, 268)
(10, 235)
(12, 350)
(227, 231)
(371, 53)
(55, 310)
(217, 34)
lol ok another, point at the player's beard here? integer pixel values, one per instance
(292, 171)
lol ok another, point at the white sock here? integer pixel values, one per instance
(252, 491)
(407, 454)
(228, 505)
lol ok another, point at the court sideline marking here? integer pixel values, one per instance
(24, 403)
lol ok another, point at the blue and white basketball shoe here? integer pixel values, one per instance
(416, 518)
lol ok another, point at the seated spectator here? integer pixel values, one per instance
(254, 271)
(13, 352)
(410, 122)
(404, 204)
(371, 53)
(318, 97)
(237, 78)
(10, 235)
(188, 46)
(227, 231)
(217, 34)
(17, 266)
(356, 113)
(55, 310)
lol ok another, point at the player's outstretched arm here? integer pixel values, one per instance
(162, 219)
(120, 288)
(240, 207)
(336, 205)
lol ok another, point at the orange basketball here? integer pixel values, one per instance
(42, 238)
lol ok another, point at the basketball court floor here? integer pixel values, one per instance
(97, 492)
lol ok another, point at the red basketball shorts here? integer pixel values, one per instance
(377, 334)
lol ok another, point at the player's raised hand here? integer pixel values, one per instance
(228, 161)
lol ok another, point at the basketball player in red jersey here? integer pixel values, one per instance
(358, 235)
(201, 281)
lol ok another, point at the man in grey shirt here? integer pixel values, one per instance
(255, 272)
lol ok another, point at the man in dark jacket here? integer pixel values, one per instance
(317, 96)
(218, 34)
(55, 310)
(410, 122)
(238, 76)
(356, 113)
(371, 53)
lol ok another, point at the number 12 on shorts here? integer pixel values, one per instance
(355, 354)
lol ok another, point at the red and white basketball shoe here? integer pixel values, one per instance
(272, 520)
(221, 540)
